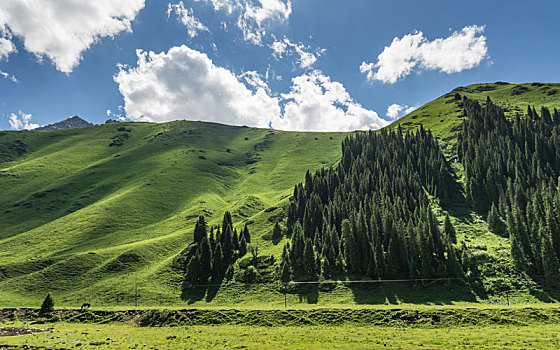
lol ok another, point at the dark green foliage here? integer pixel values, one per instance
(246, 234)
(551, 267)
(369, 216)
(449, 230)
(495, 222)
(512, 169)
(276, 232)
(212, 255)
(47, 307)
(285, 273)
(309, 262)
(200, 229)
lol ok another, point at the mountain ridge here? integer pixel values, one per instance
(69, 123)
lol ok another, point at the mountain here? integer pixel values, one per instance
(70, 123)
(97, 213)
(88, 213)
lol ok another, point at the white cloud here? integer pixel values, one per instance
(395, 111)
(285, 47)
(461, 50)
(185, 84)
(254, 17)
(6, 48)
(21, 121)
(62, 29)
(8, 76)
(187, 17)
(316, 103)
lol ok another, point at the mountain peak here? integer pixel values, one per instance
(69, 123)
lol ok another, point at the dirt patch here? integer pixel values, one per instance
(11, 331)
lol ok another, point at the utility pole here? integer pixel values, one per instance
(285, 298)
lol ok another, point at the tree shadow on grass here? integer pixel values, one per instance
(441, 293)
(193, 293)
(308, 293)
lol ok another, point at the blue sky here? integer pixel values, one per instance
(299, 65)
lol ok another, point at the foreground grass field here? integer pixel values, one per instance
(119, 336)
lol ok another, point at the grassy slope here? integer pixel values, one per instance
(443, 116)
(89, 221)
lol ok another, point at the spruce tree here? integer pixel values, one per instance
(350, 251)
(276, 232)
(219, 263)
(495, 223)
(550, 263)
(47, 306)
(285, 273)
(242, 246)
(199, 229)
(517, 253)
(449, 230)
(205, 260)
(246, 234)
(309, 260)
(192, 270)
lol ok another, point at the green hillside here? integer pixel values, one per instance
(90, 213)
(100, 214)
(443, 115)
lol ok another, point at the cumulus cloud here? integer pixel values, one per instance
(21, 121)
(254, 17)
(285, 47)
(185, 84)
(186, 16)
(316, 103)
(6, 48)
(395, 111)
(462, 50)
(62, 30)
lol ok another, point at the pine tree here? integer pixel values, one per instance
(309, 260)
(47, 306)
(285, 273)
(205, 260)
(199, 229)
(192, 270)
(242, 246)
(449, 230)
(219, 263)
(350, 251)
(495, 223)
(550, 263)
(517, 253)
(276, 232)
(246, 234)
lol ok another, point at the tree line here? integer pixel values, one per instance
(370, 215)
(511, 171)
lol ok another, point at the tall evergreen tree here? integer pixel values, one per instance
(276, 232)
(550, 263)
(449, 230)
(200, 229)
